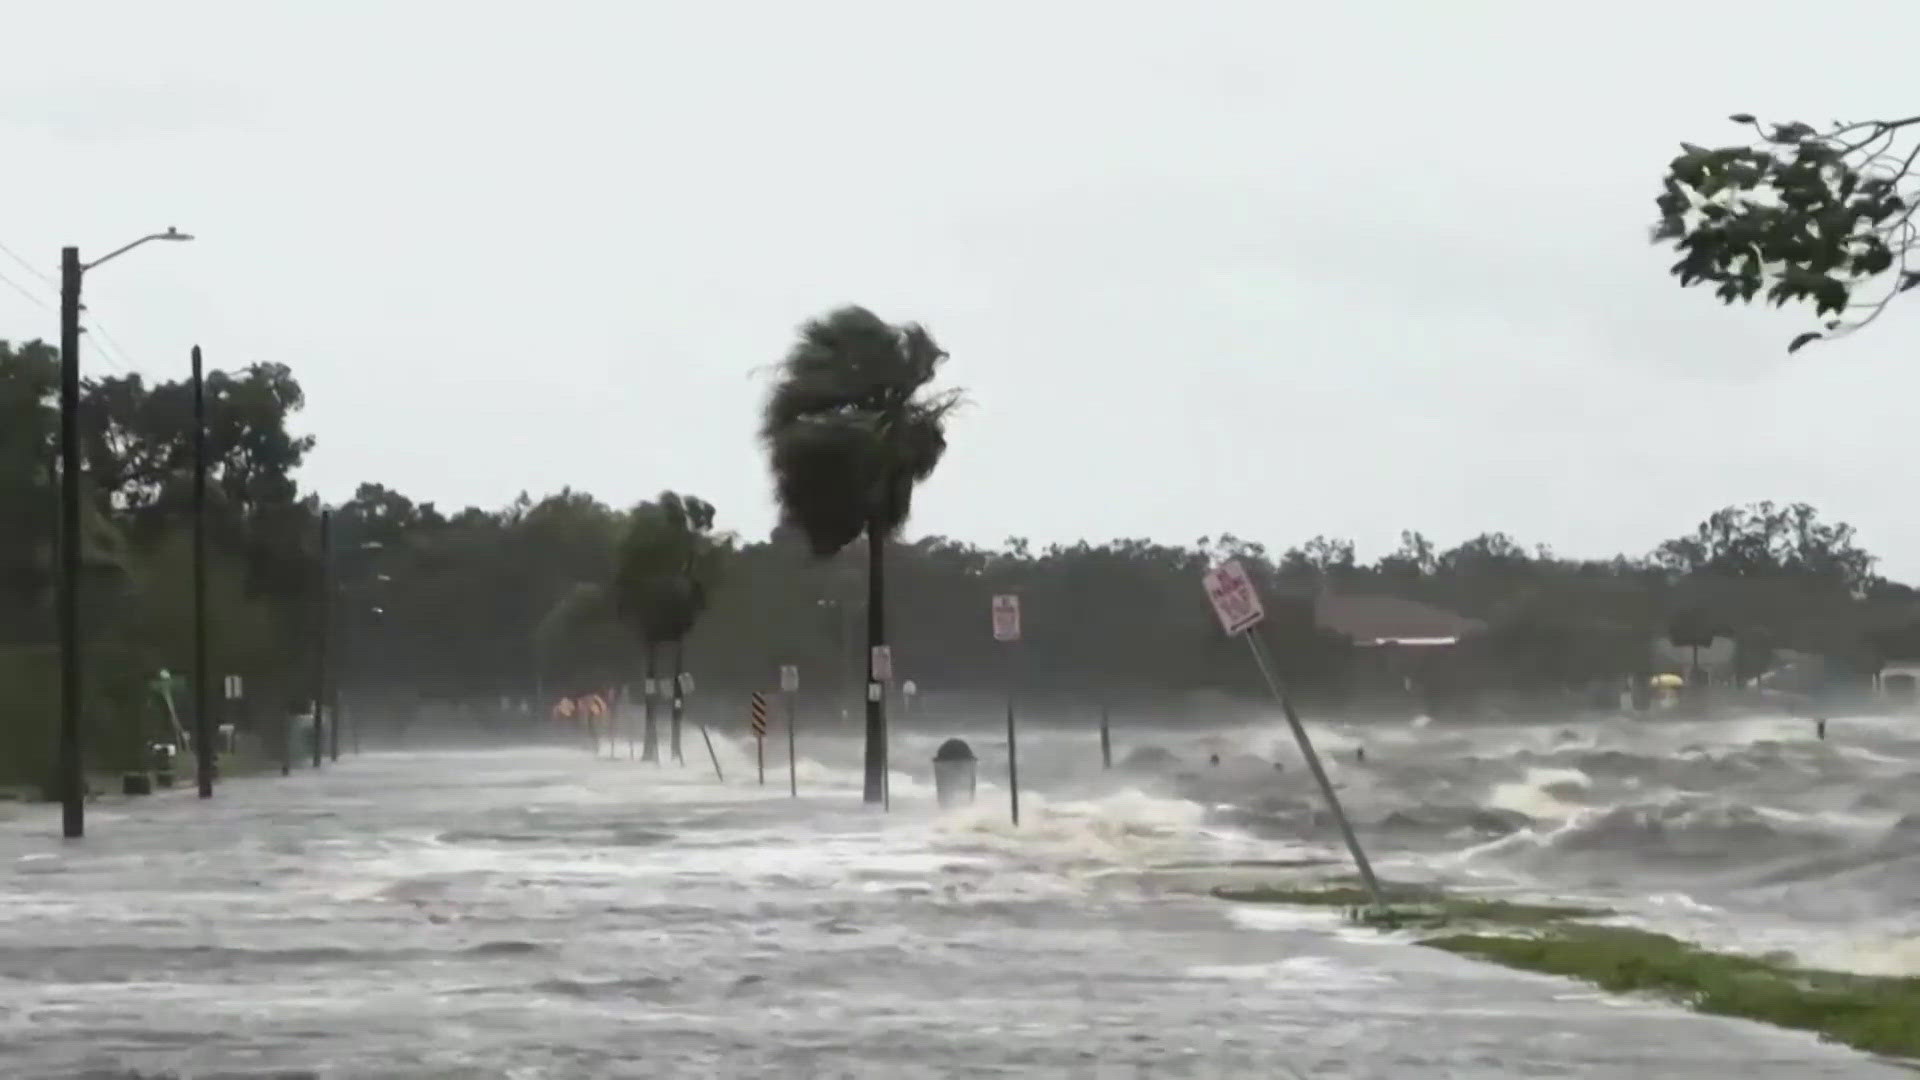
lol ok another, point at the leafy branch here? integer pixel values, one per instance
(1798, 215)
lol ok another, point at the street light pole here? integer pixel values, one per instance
(202, 700)
(73, 784)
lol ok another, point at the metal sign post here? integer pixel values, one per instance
(758, 719)
(790, 686)
(1106, 740)
(1006, 628)
(684, 691)
(1238, 606)
(881, 665)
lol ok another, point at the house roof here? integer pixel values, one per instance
(1383, 620)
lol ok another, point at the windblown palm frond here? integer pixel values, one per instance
(849, 431)
(669, 559)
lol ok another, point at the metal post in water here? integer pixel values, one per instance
(1267, 670)
(324, 621)
(1013, 763)
(793, 766)
(1006, 629)
(716, 757)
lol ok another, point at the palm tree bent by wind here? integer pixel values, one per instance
(668, 562)
(849, 432)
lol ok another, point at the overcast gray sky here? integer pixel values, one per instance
(1269, 268)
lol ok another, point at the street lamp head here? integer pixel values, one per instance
(175, 234)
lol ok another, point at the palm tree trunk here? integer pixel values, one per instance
(876, 777)
(650, 739)
(679, 702)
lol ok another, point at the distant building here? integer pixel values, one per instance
(1899, 682)
(1716, 660)
(1399, 644)
(1391, 622)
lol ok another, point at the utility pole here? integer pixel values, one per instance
(73, 789)
(202, 729)
(324, 618)
(72, 778)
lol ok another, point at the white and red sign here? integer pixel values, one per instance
(882, 664)
(1006, 618)
(1234, 599)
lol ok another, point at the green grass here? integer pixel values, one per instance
(1877, 1014)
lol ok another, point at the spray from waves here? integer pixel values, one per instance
(1125, 829)
(739, 766)
(1681, 828)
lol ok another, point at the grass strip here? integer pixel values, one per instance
(1877, 1014)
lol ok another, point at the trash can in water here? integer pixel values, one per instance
(953, 769)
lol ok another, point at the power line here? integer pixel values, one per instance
(22, 290)
(30, 268)
(99, 351)
(97, 329)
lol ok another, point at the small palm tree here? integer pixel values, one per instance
(668, 563)
(849, 432)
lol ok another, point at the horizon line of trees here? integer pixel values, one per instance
(561, 593)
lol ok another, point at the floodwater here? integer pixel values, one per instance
(539, 912)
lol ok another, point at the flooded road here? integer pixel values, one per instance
(540, 913)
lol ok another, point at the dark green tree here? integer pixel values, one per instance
(1799, 214)
(668, 564)
(29, 379)
(850, 430)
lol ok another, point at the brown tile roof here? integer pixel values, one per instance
(1368, 619)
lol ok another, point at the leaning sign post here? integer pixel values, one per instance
(789, 686)
(1006, 628)
(685, 689)
(1238, 605)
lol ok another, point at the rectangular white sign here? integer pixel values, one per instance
(1234, 599)
(789, 678)
(882, 666)
(1006, 618)
(686, 682)
(233, 687)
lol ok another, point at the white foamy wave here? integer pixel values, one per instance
(1541, 794)
(1896, 955)
(1127, 827)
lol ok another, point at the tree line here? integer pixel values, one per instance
(564, 593)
